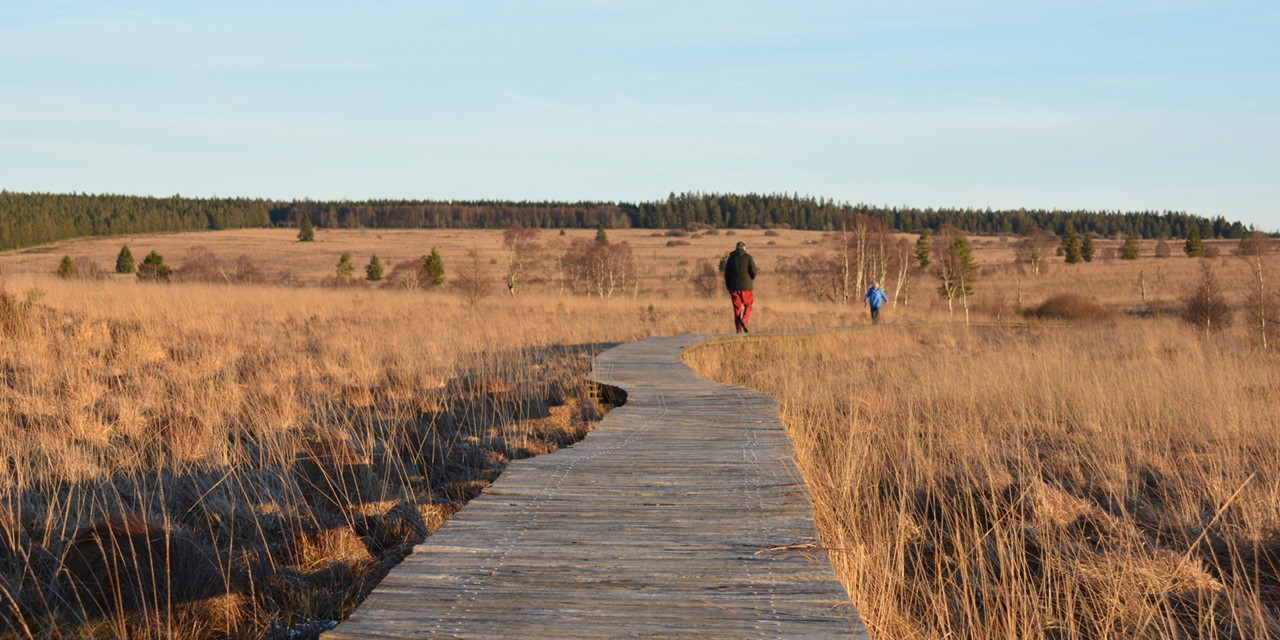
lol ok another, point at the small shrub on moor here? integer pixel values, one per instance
(1068, 306)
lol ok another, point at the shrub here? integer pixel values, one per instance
(1087, 250)
(345, 268)
(124, 260)
(1068, 306)
(1204, 307)
(67, 268)
(408, 275)
(373, 272)
(1194, 246)
(433, 265)
(306, 231)
(707, 282)
(202, 265)
(473, 280)
(154, 269)
(1130, 250)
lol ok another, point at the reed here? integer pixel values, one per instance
(209, 460)
(197, 460)
(1112, 479)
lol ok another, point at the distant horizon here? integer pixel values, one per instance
(838, 202)
(1083, 105)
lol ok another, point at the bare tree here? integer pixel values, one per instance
(861, 252)
(817, 275)
(407, 276)
(903, 258)
(599, 269)
(1205, 307)
(706, 281)
(1036, 246)
(473, 279)
(523, 254)
(556, 250)
(954, 267)
(1262, 302)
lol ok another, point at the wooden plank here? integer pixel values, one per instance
(681, 515)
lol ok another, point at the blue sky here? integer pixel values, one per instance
(1117, 105)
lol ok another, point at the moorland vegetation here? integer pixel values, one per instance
(244, 447)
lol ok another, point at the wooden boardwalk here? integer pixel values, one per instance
(681, 515)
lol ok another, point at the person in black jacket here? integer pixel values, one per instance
(739, 275)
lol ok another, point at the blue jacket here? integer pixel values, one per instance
(875, 297)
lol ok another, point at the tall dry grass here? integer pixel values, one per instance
(204, 460)
(196, 460)
(1100, 480)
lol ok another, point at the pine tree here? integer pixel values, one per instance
(1071, 246)
(922, 249)
(1194, 246)
(433, 265)
(345, 268)
(601, 236)
(373, 272)
(1086, 248)
(124, 261)
(67, 268)
(154, 269)
(306, 232)
(1130, 251)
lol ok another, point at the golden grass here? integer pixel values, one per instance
(664, 269)
(292, 443)
(295, 441)
(1098, 480)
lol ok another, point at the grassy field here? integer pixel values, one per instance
(1096, 480)
(290, 441)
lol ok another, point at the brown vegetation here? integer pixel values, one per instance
(1070, 482)
(203, 460)
(299, 438)
(1068, 306)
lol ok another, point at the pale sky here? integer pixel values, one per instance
(1103, 105)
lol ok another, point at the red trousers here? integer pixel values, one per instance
(742, 301)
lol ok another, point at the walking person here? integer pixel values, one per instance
(739, 275)
(875, 299)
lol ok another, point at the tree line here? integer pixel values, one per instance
(28, 219)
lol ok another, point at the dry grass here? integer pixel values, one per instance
(196, 460)
(1003, 287)
(289, 443)
(664, 269)
(1113, 480)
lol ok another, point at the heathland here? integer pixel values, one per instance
(244, 449)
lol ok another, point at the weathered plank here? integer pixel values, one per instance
(681, 515)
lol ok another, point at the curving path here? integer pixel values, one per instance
(681, 515)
